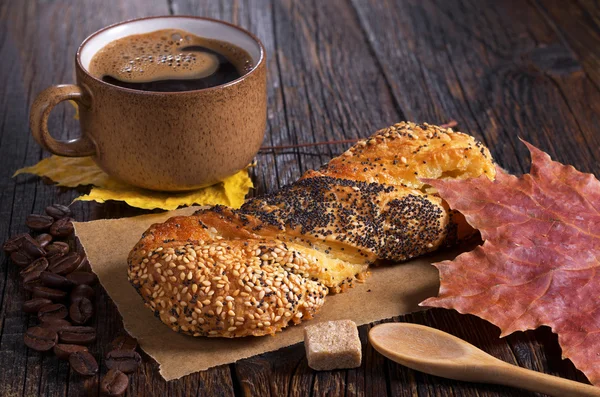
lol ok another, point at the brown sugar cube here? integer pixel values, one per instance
(332, 345)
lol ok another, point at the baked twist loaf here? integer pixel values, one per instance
(253, 271)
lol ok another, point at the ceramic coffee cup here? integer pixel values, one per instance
(170, 141)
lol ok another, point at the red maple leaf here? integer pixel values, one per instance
(540, 260)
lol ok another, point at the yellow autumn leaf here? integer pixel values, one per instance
(230, 192)
(76, 117)
(68, 171)
(81, 171)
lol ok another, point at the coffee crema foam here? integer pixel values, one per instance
(169, 60)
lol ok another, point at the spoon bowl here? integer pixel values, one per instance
(438, 353)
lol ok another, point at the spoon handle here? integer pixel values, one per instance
(511, 375)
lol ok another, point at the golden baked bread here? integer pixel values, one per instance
(252, 271)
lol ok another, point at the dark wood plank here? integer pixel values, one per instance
(579, 27)
(473, 61)
(40, 38)
(375, 367)
(24, 372)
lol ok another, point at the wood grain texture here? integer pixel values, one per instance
(487, 64)
(578, 27)
(338, 69)
(40, 38)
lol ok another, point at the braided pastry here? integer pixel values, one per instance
(253, 271)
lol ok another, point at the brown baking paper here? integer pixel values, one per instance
(388, 292)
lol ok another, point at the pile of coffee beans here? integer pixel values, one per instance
(61, 283)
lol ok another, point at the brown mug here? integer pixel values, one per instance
(171, 141)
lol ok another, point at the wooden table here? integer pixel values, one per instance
(338, 69)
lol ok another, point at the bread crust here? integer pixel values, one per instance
(204, 285)
(253, 271)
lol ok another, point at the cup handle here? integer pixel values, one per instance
(38, 121)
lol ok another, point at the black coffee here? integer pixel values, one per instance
(169, 61)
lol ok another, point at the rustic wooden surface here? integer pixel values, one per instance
(338, 69)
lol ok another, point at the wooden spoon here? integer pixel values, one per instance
(437, 353)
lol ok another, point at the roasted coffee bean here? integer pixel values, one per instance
(40, 339)
(124, 360)
(83, 363)
(54, 280)
(77, 335)
(84, 266)
(81, 311)
(14, 243)
(32, 248)
(64, 350)
(43, 239)
(80, 277)
(52, 259)
(66, 264)
(82, 291)
(34, 269)
(114, 383)
(30, 285)
(20, 258)
(58, 211)
(54, 310)
(62, 227)
(123, 342)
(55, 324)
(39, 223)
(34, 305)
(48, 293)
(57, 247)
